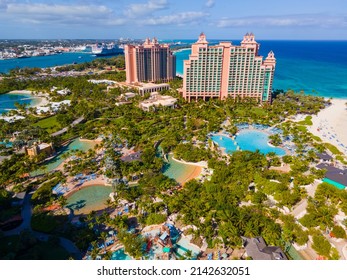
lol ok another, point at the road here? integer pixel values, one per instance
(65, 129)
(26, 225)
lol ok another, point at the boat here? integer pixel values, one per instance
(23, 56)
(106, 50)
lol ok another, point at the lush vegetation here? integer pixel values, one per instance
(245, 196)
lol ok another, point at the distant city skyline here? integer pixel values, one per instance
(173, 19)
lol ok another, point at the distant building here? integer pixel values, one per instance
(37, 149)
(257, 249)
(104, 81)
(226, 70)
(157, 100)
(151, 62)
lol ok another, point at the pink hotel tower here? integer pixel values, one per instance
(226, 70)
(150, 62)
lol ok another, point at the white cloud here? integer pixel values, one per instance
(135, 10)
(40, 13)
(310, 20)
(210, 3)
(179, 19)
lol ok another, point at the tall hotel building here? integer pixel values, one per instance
(226, 70)
(150, 62)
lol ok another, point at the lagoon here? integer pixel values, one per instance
(91, 198)
(8, 100)
(76, 144)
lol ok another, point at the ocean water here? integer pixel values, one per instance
(45, 61)
(316, 67)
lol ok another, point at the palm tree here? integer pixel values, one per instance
(188, 254)
(103, 236)
(107, 255)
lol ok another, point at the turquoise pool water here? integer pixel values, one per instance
(76, 144)
(335, 184)
(6, 144)
(89, 198)
(120, 255)
(183, 245)
(250, 140)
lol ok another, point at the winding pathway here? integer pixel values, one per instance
(67, 244)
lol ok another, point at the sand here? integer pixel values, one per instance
(196, 172)
(330, 124)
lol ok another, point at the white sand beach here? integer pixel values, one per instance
(330, 124)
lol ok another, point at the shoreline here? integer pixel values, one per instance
(181, 50)
(91, 183)
(39, 100)
(329, 123)
(197, 169)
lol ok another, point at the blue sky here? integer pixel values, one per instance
(173, 19)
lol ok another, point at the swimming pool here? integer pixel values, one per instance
(120, 255)
(334, 183)
(6, 144)
(249, 140)
(89, 198)
(76, 144)
(183, 245)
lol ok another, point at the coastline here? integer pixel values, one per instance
(329, 124)
(38, 100)
(181, 50)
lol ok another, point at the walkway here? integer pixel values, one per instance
(65, 129)
(26, 225)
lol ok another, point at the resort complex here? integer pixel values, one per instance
(228, 71)
(111, 159)
(149, 62)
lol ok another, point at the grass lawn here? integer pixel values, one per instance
(306, 121)
(50, 124)
(259, 111)
(332, 149)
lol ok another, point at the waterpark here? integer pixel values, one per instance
(160, 242)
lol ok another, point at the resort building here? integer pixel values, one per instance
(226, 70)
(37, 149)
(257, 249)
(157, 100)
(152, 62)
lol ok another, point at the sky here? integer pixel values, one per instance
(173, 19)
